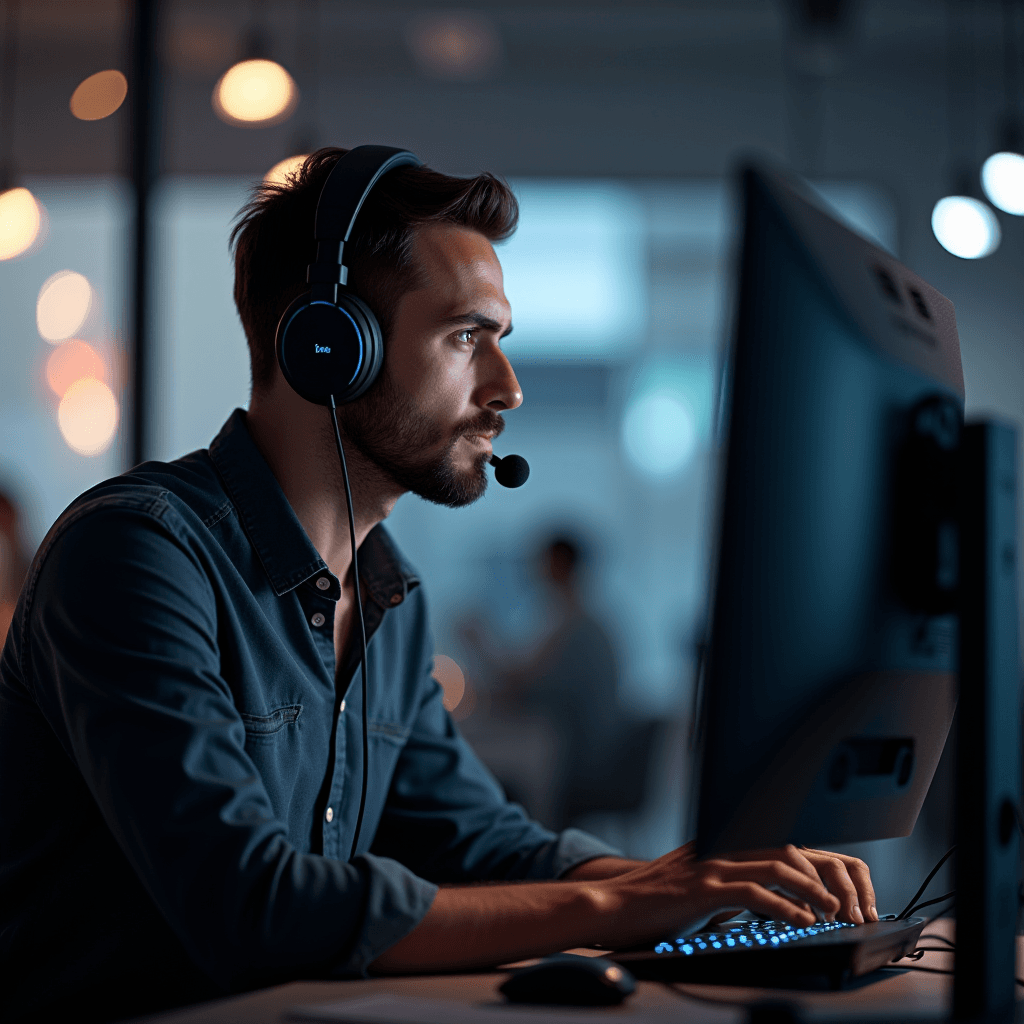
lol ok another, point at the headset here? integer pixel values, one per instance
(331, 349)
(329, 343)
(330, 346)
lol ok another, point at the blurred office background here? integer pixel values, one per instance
(619, 126)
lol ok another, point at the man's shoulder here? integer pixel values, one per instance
(179, 494)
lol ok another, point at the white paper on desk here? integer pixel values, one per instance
(388, 1009)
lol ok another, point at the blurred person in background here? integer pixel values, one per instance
(13, 562)
(570, 678)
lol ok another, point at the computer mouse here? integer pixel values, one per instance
(570, 979)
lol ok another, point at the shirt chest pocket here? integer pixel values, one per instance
(267, 728)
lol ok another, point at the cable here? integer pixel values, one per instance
(928, 903)
(924, 885)
(362, 623)
(937, 938)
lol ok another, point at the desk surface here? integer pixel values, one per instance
(915, 993)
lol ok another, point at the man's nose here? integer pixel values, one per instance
(501, 390)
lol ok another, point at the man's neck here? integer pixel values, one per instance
(297, 440)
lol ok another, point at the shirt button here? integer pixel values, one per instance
(323, 583)
(330, 814)
(318, 620)
(341, 707)
(396, 598)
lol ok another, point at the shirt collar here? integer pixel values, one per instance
(273, 529)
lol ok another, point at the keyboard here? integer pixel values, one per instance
(775, 954)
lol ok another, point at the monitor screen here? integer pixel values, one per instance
(830, 679)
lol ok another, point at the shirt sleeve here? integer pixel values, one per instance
(123, 659)
(446, 817)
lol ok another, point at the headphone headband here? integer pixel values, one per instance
(349, 183)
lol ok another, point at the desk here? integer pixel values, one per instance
(909, 994)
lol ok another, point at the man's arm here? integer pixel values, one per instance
(124, 655)
(602, 867)
(473, 927)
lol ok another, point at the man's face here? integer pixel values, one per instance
(430, 418)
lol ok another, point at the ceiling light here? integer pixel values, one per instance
(1002, 177)
(64, 302)
(99, 95)
(966, 227)
(70, 362)
(255, 93)
(284, 169)
(87, 416)
(20, 221)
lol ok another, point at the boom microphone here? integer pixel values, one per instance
(511, 471)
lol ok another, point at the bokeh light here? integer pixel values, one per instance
(255, 93)
(70, 362)
(20, 221)
(659, 432)
(99, 95)
(87, 416)
(459, 46)
(452, 680)
(284, 169)
(64, 302)
(1002, 177)
(966, 227)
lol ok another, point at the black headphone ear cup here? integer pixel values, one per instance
(373, 344)
(329, 349)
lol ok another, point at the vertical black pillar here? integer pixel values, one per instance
(144, 146)
(988, 741)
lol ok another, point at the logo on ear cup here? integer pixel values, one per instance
(321, 350)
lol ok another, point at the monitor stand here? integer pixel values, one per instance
(989, 729)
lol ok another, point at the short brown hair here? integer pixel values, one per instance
(273, 240)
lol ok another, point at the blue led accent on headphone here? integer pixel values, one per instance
(355, 327)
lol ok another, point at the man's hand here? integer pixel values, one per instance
(678, 893)
(477, 926)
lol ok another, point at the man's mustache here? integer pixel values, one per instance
(486, 423)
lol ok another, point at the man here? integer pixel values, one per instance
(180, 750)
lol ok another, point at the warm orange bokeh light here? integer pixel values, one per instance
(452, 680)
(284, 169)
(255, 93)
(87, 416)
(64, 302)
(70, 362)
(99, 95)
(20, 221)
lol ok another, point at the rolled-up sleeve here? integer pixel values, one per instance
(125, 665)
(446, 817)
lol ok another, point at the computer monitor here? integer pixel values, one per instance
(830, 679)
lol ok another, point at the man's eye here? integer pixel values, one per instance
(466, 337)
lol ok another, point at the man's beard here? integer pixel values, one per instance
(386, 430)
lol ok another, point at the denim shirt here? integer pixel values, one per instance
(181, 760)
